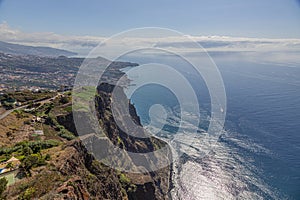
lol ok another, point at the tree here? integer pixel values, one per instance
(29, 162)
(33, 160)
(26, 150)
(36, 148)
(3, 185)
(47, 157)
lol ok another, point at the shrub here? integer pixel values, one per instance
(124, 179)
(68, 109)
(64, 100)
(33, 160)
(66, 135)
(47, 157)
(3, 185)
(27, 150)
(28, 194)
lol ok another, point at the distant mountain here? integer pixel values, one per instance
(17, 49)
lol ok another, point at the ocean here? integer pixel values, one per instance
(257, 156)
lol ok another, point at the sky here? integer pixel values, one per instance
(263, 26)
(238, 18)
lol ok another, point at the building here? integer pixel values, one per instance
(39, 132)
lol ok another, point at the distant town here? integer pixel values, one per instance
(36, 73)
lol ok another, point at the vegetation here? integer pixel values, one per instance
(126, 183)
(26, 148)
(64, 100)
(40, 185)
(29, 153)
(33, 160)
(50, 111)
(86, 93)
(26, 96)
(68, 109)
(69, 169)
(64, 133)
(19, 114)
(124, 179)
(28, 194)
(3, 185)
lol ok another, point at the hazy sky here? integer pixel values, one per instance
(255, 18)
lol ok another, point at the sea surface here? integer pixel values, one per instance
(258, 155)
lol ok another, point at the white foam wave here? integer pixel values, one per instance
(226, 173)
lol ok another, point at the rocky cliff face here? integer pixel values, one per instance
(93, 180)
(150, 185)
(73, 171)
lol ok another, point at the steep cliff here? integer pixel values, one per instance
(69, 169)
(152, 184)
(144, 185)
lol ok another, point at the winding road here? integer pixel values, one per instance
(3, 115)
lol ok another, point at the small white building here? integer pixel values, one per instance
(39, 132)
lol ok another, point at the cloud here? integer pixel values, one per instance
(189, 45)
(49, 39)
(223, 43)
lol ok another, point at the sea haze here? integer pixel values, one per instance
(258, 154)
